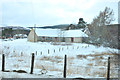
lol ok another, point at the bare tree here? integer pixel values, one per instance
(104, 18)
(98, 29)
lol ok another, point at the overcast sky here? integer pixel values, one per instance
(52, 12)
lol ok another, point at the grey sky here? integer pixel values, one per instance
(52, 12)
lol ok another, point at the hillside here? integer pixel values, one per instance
(54, 26)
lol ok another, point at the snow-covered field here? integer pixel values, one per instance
(83, 60)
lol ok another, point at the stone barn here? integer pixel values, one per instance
(56, 35)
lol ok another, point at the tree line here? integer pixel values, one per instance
(9, 32)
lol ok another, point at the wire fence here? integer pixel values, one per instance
(64, 66)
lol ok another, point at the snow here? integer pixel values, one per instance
(58, 32)
(22, 45)
(47, 32)
(75, 33)
(18, 57)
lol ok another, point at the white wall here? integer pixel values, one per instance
(32, 37)
(78, 39)
(75, 39)
(67, 39)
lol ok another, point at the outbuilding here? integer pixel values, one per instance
(56, 35)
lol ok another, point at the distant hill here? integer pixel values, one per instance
(61, 26)
(53, 27)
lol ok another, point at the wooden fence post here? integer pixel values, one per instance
(62, 48)
(32, 63)
(59, 49)
(21, 54)
(3, 62)
(48, 51)
(54, 50)
(108, 69)
(65, 63)
(67, 47)
(36, 52)
(41, 52)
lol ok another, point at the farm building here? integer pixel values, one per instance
(56, 35)
(17, 36)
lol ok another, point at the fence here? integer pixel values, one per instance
(64, 68)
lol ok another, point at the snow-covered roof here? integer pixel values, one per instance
(75, 33)
(47, 32)
(20, 35)
(60, 33)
